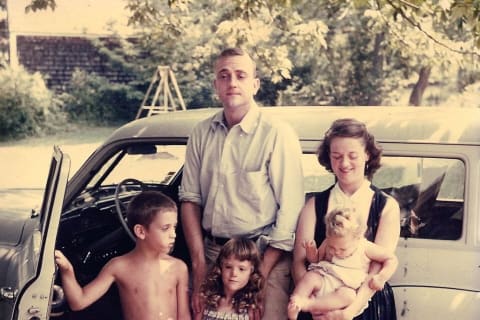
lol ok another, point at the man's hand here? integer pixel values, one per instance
(270, 258)
(260, 310)
(255, 313)
(199, 274)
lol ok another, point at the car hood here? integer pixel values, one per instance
(17, 206)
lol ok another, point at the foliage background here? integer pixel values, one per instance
(326, 52)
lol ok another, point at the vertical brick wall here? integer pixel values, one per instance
(56, 57)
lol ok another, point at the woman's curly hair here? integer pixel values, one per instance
(249, 297)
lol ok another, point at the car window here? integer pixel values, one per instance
(316, 178)
(430, 192)
(158, 167)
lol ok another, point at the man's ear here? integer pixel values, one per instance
(256, 85)
(139, 231)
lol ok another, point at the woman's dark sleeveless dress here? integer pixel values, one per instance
(382, 304)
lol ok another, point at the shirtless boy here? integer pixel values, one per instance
(152, 284)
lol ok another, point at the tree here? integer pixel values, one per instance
(356, 52)
(4, 33)
(437, 37)
(40, 5)
(191, 40)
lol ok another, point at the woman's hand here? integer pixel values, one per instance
(377, 282)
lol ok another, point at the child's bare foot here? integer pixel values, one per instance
(293, 309)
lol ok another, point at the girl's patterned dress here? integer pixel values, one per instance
(216, 315)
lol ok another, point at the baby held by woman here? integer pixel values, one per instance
(340, 265)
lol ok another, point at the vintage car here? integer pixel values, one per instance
(431, 165)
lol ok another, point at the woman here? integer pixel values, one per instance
(351, 153)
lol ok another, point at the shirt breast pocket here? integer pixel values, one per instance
(253, 184)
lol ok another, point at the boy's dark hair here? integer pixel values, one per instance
(144, 206)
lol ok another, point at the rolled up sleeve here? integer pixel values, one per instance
(189, 190)
(286, 176)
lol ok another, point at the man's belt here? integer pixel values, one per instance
(221, 241)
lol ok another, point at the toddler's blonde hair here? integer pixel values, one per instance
(342, 222)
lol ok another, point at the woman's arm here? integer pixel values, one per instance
(388, 261)
(305, 231)
(388, 232)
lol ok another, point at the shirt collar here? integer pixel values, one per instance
(248, 123)
(250, 120)
(362, 193)
(218, 120)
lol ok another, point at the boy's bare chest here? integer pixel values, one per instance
(148, 292)
(148, 279)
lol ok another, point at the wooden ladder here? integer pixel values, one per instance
(163, 100)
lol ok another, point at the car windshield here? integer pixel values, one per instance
(157, 166)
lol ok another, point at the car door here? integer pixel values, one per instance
(37, 272)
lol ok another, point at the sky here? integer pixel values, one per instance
(69, 17)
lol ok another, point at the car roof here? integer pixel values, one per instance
(388, 124)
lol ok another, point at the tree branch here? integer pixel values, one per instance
(418, 26)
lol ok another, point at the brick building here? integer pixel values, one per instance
(56, 42)
(57, 56)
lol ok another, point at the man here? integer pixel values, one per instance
(242, 177)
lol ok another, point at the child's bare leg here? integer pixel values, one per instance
(309, 284)
(340, 298)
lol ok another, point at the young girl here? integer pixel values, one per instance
(339, 266)
(232, 288)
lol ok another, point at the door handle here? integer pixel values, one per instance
(8, 293)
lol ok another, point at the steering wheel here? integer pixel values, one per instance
(121, 207)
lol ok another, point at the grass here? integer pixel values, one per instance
(75, 134)
(24, 163)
